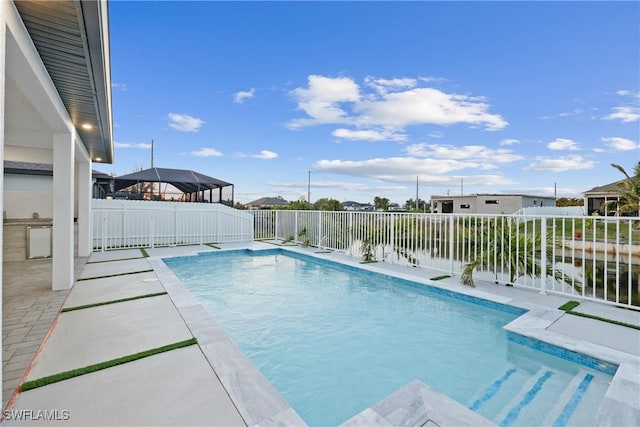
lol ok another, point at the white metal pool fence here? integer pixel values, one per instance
(595, 258)
(119, 224)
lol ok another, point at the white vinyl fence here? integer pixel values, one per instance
(595, 258)
(119, 224)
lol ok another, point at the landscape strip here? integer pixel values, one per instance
(50, 379)
(570, 305)
(444, 276)
(114, 275)
(213, 246)
(113, 260)
(144, 252)
(115, 301)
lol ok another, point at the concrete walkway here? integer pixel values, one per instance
(183, 386)
(176, 387)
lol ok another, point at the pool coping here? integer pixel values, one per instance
(260, 403)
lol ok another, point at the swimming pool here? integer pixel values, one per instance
(334, 340)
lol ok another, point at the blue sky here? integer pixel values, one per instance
(507, 97)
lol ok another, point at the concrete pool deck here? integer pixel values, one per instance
(213, 383)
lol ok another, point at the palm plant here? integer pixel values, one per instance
(629, 199)
(367, 251)
(507, 248)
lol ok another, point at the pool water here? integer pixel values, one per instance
(334, 340)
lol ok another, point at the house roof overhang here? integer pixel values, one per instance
(72, 39)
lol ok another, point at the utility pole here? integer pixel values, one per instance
(555, 190)
(462, 186)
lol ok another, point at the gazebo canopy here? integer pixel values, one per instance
(186, 181)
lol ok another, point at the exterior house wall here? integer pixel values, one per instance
(26, 194)
(490, 203)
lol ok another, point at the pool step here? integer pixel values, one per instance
(561, 413)
(524, 398)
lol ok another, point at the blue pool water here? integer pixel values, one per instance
(335, 340)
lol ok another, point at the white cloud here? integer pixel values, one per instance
(383, 86)
(369, 135)
(426, 106)
(143, 145)
(184, 122)
(394, 104)
(321, 99)
(560, 164)
(598, 150)
(628, 93)
(206, 152)
(508, 141)
(476, 153)
(265, 155)
(621, 144)
(564, 114)
(405, 170)
(341, 185)
(436, 134)
(624, 114)
(119, 86)
(241, 96)
(563, 144)
(429, 79)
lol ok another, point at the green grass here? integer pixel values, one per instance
(444, 276)
(570, 305)
(50, 379)
(114, 275)
(144, 252)
(115, 301)
(368, 262)
(213, 246)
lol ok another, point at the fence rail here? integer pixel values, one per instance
(119, 224)
(594, 258)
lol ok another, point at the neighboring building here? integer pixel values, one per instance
(598, 198)
(355, 206)
(488, 203)
(267, 203)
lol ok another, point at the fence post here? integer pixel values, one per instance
(104, 230)
(351, 233)
(451, 244)
(295, 231)
(151, 231)
(175, 225)
(543, 255)
(276, 226)
(320, 229)
(202, 226)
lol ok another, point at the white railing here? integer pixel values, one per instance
(596, 258)
(119, 224)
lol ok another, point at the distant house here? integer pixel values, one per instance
(488, 203)
(598, 198)
(267, 203)
(355, 206)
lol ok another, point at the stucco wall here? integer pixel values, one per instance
(26, 194)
